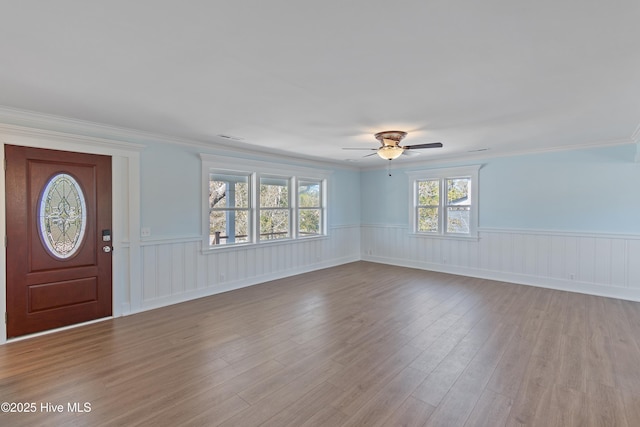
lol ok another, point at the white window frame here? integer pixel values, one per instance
(442, 175)
(256, 169)
(249, 209)
(322, 207)
(290, 205)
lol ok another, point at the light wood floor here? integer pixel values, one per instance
(360, 344)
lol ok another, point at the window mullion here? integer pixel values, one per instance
(416, 219)
(442, 206)
(293, 208)
(255, 208)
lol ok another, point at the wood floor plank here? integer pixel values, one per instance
(597, 323)
(304, 409)
(600, 360)
(564, 407)
(441, 379)
(361, 385)
(627, 361)
(605, 406)
(574, 316)
(491, 410)
(215, 389)
(326, 417)
(284, 397)
(548, 341)
(257, 390)
(412, 413)
(357, 344)
(508, 375)
(387, 400)
(459, 403)
(573, 363)
(633, 317)
(197, 411)
(429, 335)
(534, 391)
(631, 403)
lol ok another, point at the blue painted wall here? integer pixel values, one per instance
(594, 190)
(385, 199)
(171, 191)
(344, 197)
(589, 190)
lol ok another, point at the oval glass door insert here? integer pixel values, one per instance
(63, 216)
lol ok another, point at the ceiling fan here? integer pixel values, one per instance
(391, 148)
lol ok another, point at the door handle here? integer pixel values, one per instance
(107, 249)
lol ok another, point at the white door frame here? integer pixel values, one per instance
(126, 208)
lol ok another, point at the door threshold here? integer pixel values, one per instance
(51, 331)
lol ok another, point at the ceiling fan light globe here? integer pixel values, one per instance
(388, 152)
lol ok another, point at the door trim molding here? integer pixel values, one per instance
(126, 207)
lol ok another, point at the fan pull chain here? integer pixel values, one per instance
(389, 167)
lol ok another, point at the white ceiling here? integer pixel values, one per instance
(312, 77)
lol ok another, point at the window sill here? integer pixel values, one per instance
(266, 243)
(474, 237)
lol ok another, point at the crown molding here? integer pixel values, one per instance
(70, 126)
(23, 134)
(52, 124)
(34, 123)
(221, 162)
(498, 154)
(263, 154)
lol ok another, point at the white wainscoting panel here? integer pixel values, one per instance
(177, 270)
(598, 264)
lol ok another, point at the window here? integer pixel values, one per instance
(444, 201)
(458, 204)
(63, 216)
(229, 209)
(310, 211)
(275, 212)
(254, 202)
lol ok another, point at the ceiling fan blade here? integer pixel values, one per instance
(369, 155)
(431, 145)
(360, 149)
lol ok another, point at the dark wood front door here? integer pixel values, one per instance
(58, 209)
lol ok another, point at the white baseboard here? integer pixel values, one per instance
(125, 308)
(238, 284)
(519, 279)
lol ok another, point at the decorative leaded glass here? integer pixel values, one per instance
(63, 216)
